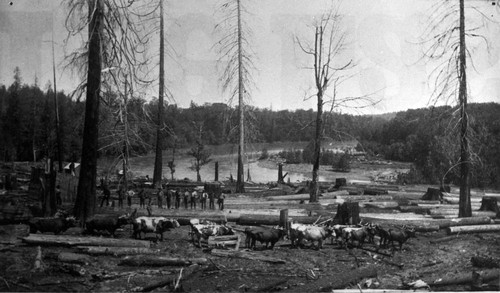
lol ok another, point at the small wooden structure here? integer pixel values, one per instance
(231, 242)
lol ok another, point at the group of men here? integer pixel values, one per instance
(172, 198)
(189, 198)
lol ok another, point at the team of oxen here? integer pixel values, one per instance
(298, 234)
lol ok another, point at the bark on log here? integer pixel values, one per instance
(75, 258)
(465, 278)
(66, 240)
(117, 251)
(473, 229)
(485, 262)
(246, 255)
(272, 220)
(414, 209)
(464, 222)
(340, 280)
(158, 261)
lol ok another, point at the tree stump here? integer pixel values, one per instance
(433, 194)
(340, 182)
(348, 213)
(280, 173)
(489, 203)
(216, 177)
(284, 222)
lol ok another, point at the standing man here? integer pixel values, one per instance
(204, 197)
(220, 201)
(141, 198)
(159, 197)
(187, 195)
(120, 197)
(106, 195)
(169, 198)
(211, 198)
(177, 199)
(130, 194)
(194, 199)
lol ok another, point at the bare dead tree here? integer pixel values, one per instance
(325, 50)
(446, 41)
(116, 41)
(157, 172)
(234, 52)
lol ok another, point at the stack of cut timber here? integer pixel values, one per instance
(228, 241)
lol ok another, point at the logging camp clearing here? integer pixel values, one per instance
(446, 254)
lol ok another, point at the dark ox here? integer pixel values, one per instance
(108, 223)
(55, 225)
(157, 225)
(400, 236)
(263, 235)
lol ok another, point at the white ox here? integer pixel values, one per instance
(312, 233)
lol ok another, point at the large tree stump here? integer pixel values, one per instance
(433, 194)
(340, 182)
(348, 213)
(489, 203)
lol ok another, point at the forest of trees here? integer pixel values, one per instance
(420, 136)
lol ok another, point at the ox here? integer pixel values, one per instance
(157, 225)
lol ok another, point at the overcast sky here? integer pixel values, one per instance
(383, 41)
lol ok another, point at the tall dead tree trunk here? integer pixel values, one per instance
(157, 173)
(240, 184)
(86, 195)
(56, 106)
(464, 209)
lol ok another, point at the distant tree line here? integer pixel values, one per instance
(420, 136)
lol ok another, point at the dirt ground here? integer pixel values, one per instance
(301, 270)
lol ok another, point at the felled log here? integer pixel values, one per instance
(374, 191)
(74, 258)
(117, 251)
(473, 229)
(414, 202)
(246, 255)
(485, 262)
(414, 209)
(11, 233)
(158, 261)
(463, 222)
(187, 272)
(465, 278)
(67, 240)
(272, 220)
(341, 280)
(456, 200)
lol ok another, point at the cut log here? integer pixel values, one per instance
(272, 220)
(158, 261)
(341, 280)
(415, 202)
(485, 262)
(375, 191)
(464, 222)
(187, 272)
(117, 251)
(489, 203)
(66, 240)
(433, 194)
(414, 209)
(456, 200)
(473, 229)
(246, 255)
(9, 234)
(465, 278)
(75, 258)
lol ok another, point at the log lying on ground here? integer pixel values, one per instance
(414, 209)
(455, 199)
(246, 255)
(259, 219)
(66, 240)
(422, 201)
(186, 273)
(117, 251)
(463, 222)
(485, 262)
(473, 229)
(340, 280)
(75, 258)
(448, 212)
(158, 261)
(465, 278)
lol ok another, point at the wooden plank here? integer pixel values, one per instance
(67, 240)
